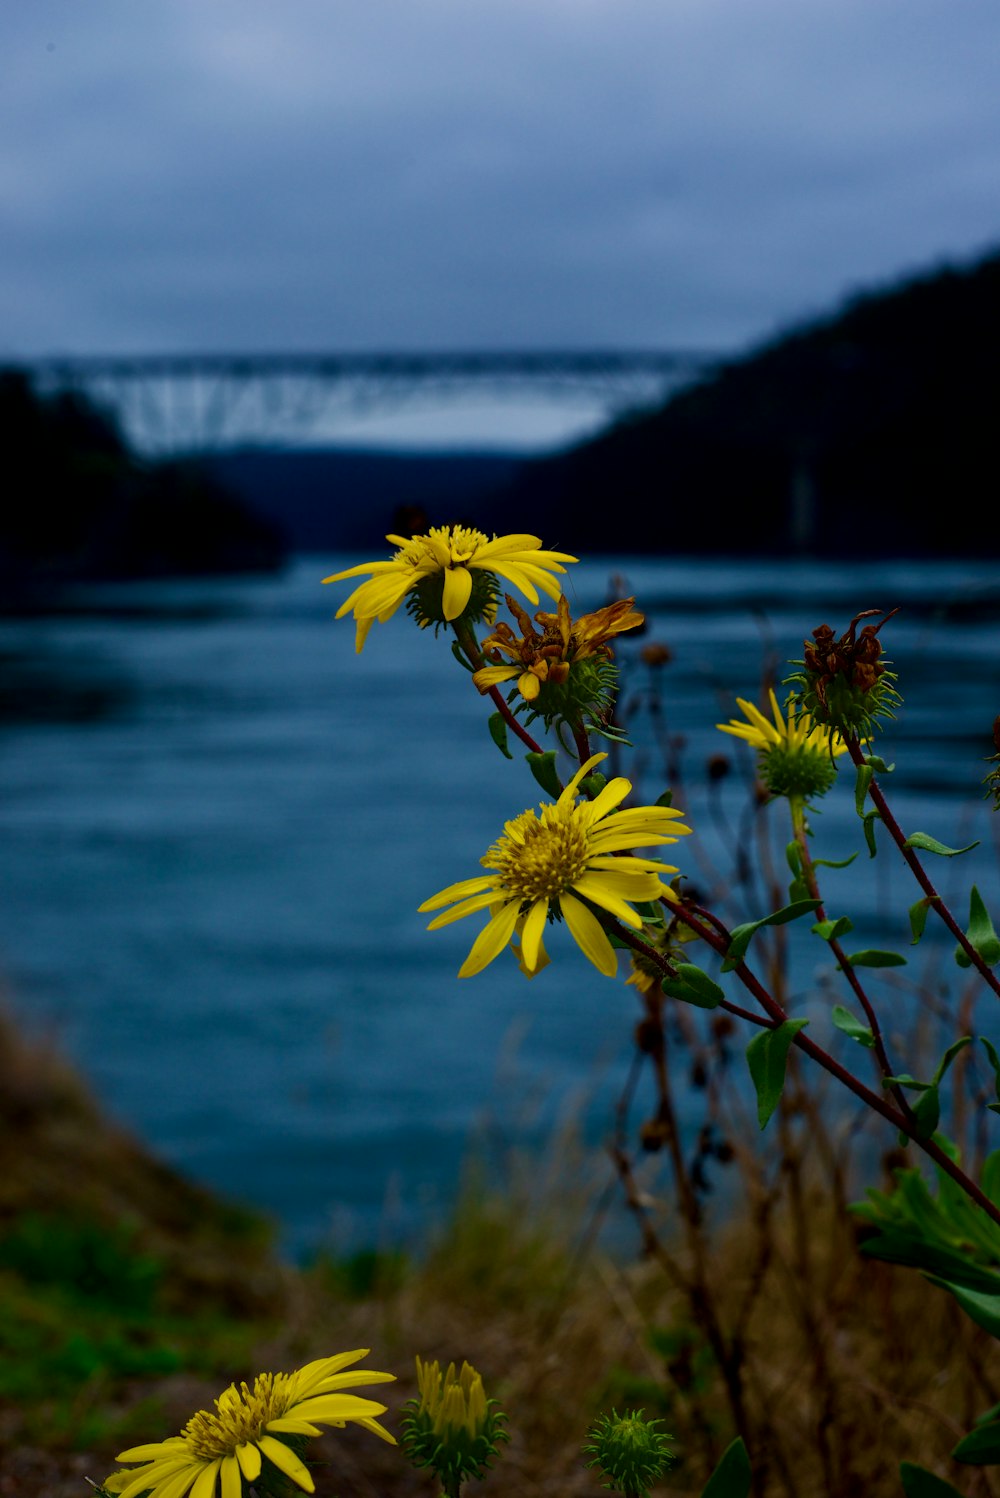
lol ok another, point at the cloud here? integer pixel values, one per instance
(403, 173)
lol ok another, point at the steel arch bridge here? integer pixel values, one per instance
(174, 403)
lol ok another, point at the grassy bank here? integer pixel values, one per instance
(128, 1298)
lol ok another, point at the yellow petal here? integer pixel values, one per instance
(248, 1457)
(362, 570)
(492, 676)
(460, 891)
(503, 544)
(306, 1380)
(149, 1477)
(491, 940)
(605, 801)
(457, 588)
(286, 1461)
(361, 634)
(534, 929)
(232, 1483)
(177, 1485)
(528, 685)
(174, 1446)
(376, 1430)
(569, 794)
(464, 908)
(589, 935)
(335, 1406)
(205, 1486)
(598, 888)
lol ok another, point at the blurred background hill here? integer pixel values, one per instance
(849, 436)
(80, 505)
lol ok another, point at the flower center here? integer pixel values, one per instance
(539, 858)
(240, 1417)
(444, 545)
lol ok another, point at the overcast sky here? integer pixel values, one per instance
(359, 174)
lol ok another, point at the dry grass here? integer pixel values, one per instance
(844, 1366)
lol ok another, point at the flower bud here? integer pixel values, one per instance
(452, 1428)
(631, 1453)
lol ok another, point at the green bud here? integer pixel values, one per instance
(632, 1453)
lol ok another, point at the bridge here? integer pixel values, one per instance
(183, 403)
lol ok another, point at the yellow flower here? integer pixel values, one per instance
(218, 1448)
(448, 573)
(561, 863)
(796, 754)
(549, 655)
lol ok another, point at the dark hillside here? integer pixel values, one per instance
(328, 499)
(79, 505)
(871, 433)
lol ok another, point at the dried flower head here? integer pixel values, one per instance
(844, 683)
(563, 668)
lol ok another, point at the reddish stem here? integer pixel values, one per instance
(467, 642)
(920, 874)
(878, 1104)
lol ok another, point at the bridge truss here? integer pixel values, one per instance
(182, 403)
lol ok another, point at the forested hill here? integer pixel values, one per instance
(870, 433)
(81, 505)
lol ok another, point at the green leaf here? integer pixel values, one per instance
(879, 764)
(928, 844)
(732, 1477)
(868, 822)
(871, 957)
(833, 863)
(989, 1180)
(498, 733)
(949, 1056)
(981, 1447)
(918, 917)
(991, 1051)
(993, 1413)
(543, 767)
(919, 1483)
(830, 930)
(845, 1020)
(980, 933)
(741, 936)
(927, 1112)
(864, 780)
(667, 799)
(593, 785)
(793, 853)
(694, 987)
(456, 651)
(767, 1054)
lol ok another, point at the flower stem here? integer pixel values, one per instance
(920, 874)
(796, 807)
(719, 942)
